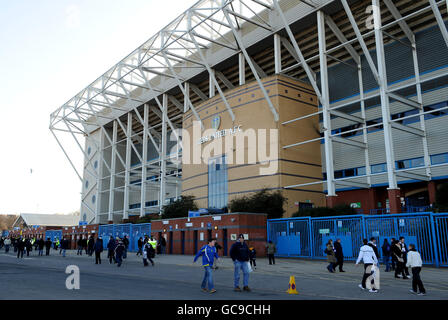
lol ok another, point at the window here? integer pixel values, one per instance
(217, 182)
(89, 149)
(378, 168)
(439, 158)
(93, 198)
(361, 171)
(95, 165)
(87, 184)
(84, 217)
(410, 163)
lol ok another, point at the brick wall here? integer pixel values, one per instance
(190, 229)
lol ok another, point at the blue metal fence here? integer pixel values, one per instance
(307, 237)
(53, 234)
(132, 231)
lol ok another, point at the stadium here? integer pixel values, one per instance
(330, 102)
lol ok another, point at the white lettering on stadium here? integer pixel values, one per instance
(219, 134)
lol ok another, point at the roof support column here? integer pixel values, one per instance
(242, 69)
(325, 100)
(145, 160)
(99, 180)
(163, 153)
(110, 216)
(277, 54)
(128, 167)
(385, 108)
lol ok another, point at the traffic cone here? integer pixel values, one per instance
(292, 286)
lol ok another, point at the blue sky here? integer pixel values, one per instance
(49, 51)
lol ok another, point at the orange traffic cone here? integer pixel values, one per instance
(292, 286)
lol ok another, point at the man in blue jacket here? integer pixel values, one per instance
(208, 253)
(239, 252)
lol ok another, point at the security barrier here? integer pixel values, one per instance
(132, 231)
(307, 237)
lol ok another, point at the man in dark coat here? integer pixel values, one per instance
(79, 245)
(48, 244)
(84, 244)
(140, 246)
(64, 246)
(339, 255)
(20, 247)
(40, 245)
(28, 246)
(98, 248)
(111, 249)
(239, 252)
(119, 250)
(126, 246)
(90, 245)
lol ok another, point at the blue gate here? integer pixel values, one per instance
(105, 231)
(132, 231)
(441, 231)
(347, 228)
(53, 234)
(138, 230)
(415, 228)
(307, 237)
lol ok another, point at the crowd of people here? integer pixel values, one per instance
(396, 256)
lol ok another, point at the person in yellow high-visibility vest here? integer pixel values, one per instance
(153, 243)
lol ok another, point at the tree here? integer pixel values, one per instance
(179, 208)
(262, 201)
(339, 210)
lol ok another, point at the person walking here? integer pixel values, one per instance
(414, 261)
(64, 246)
(239, 252)
(111, 250)
(20, 247)
(28, 246)
(372, 244)
(126, 246)
(163, 244)
(7, 244)
(399, 257)
(331, 256)
(393, 259)
(79, 245)
(119, 250)
(339, 255)
(367, 255)
(84, 245)
(386, 248)
(98, 248)
(271, 251)
(48, 244)
(208, 253)
(405, 251)
(40, 246)
(148, 254)
(253, 257)
(140, 246)
(90, 245)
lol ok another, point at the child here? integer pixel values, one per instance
(252, 257)
(414, 261)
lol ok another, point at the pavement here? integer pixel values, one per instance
(175, 277)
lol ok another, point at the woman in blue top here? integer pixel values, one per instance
(208, 253)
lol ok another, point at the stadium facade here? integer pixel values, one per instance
(328, 101)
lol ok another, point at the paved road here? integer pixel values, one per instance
(176, 277)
